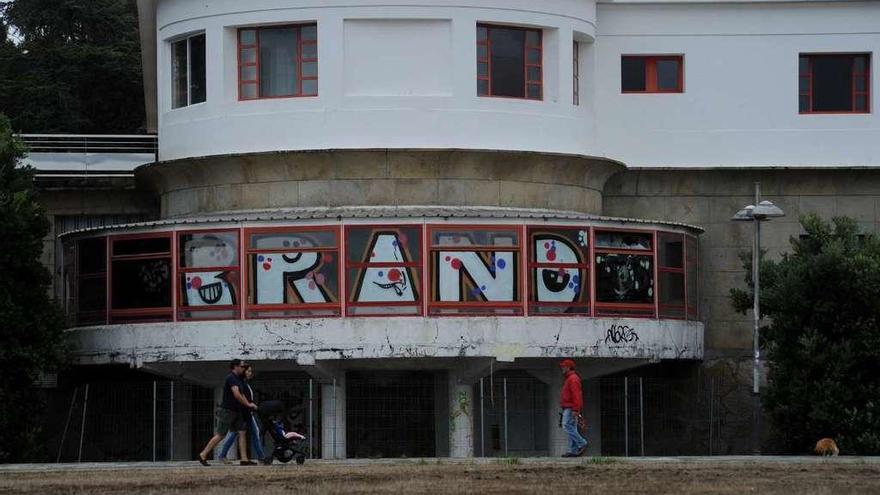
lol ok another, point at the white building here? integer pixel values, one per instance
(411, 204)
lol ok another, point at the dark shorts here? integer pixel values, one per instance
(231, 421)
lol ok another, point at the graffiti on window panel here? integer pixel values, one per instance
(293, 277)
(378, 283)
(624, 278)
(470, 276)
(558, 284)
(210, 288)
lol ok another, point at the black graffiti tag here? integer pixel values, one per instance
(622, 333)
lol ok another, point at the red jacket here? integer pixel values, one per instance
(572, 397)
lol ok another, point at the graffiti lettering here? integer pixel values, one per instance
(378, 283)
(291, 278)
(476, 275)
(556, 284)
(621, 334)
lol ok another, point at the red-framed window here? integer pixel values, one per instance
(140, 278)
(90, 289)
(278, 61)
(510, 62)
(475, 270)
(208, 275)
(692, 276)
(293, 272)
(383, 270)
(652, 73)
(575, 73)
(671, 285)
(559, 271)
(624, 273)
(834, 83)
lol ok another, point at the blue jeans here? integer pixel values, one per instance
(569, 423)
(256, 443)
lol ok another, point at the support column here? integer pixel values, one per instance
(557, 441)
(461, 417)
(333, 418)
(593, 414)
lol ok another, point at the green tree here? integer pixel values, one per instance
(823, 342)
(31, 336)
(76, 67)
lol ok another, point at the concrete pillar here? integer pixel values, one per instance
(218, 399)
(461, 414)
(333, 419)
(557, 443)
(182, 421)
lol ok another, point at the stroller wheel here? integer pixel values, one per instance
(284, 455)
(300, 459)
(267, 460)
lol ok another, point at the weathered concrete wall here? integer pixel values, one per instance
(309, 340)
(379, 177)
(709, 198)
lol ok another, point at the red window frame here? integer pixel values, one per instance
(247, 251)
(807, 76)
(433, 250)
(418, 266)
(692, 291)
(300, 59)
(141, 315)
(629, 310)
(658, 284)
(575, 74)
(651, 77)
(533, 265)
(182, 271)
(538, 83)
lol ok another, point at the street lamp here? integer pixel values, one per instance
(757, 213)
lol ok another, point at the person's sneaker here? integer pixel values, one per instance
(203, 461)
(569, 454)
(247, 463)
(582, 451)
(225, 460)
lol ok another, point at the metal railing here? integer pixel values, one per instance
(90, 143)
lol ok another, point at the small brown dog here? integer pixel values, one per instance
(826, 447)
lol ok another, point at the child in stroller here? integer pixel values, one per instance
(288, 444)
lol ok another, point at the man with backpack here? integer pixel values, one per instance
(571, 401)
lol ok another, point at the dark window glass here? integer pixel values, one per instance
(671, 251)
(667, 75)
(92, 294)
(633, 76)
(197, 69)
(278, 75)
(508, 60)
(141, 283)
(624, 278)
(832, 83)
(179, 74)
(150, 245)
(672, 288)
(92, 255)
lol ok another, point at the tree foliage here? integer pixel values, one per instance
(31, 325)
(76, 67)
(823, 344)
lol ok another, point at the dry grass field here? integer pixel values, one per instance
(510, 477)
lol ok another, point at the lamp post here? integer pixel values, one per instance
(758, 212)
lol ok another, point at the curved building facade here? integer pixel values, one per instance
(400, 204)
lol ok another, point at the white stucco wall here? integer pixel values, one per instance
(404, 76)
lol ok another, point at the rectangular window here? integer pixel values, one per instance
(575, 74)
(293, 272)
(276, 62)
(90, 292)
(559, 271)
(383, 270)
(835, 83)
(188, 71)
(509, 62)
(140, 281)
(624, 273)
(652, 74)
(475, 270)
(208, 275)
(671, 268)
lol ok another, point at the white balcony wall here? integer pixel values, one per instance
(389, 77)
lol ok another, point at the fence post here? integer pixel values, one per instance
(335, 419)
(711, 411)
(626, 416)
(505, 417)
(154, 421)
(67, 424)
(482, 422)
(82, 428)
(642, 415)
(171, 424)
(311, 419)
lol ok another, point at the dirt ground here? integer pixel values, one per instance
(502, 477)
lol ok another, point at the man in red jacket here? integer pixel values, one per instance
(572, 401)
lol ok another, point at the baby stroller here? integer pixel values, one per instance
(288, 444)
